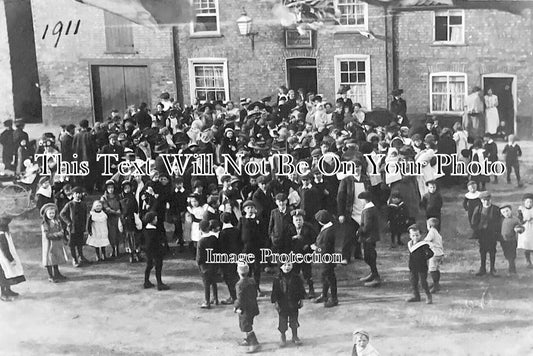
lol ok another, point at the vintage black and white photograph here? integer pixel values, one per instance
(272, 177)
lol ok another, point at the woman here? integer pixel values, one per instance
(460, 136)
(54, 240)
(111, 205)
(492, 119)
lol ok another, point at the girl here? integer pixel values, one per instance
(197, 212)
(111, 204)
(97, 224)
(54, 239)
(525, 239)
(44, 193)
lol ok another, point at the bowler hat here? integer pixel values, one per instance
(397, 92)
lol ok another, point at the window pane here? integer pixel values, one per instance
(361, 78)
(439, 102)
(456, 20)
(353, 77)
(441, 28)
(353, 66)
(205, 23)
(344, 66)
(361, 66)
(344, 78)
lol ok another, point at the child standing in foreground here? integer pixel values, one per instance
(419, 254)
(525, 239)
(435, 243)
(432, 202)
(471, 201)
(397, 217)
(288, 293)
(510, 227)
(53, 238)
(155, 251)
(208, 240)
(97, 230)
(246, 306)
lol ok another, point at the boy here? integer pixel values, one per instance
(246, 306)
(207, 241)
(178, 207)
(229, 241)
(435, 243)
(510, 226)
(251, 238)
(128, 209)
(280, 221)
(154, 247)
(397, 218)
(288, 293)
(325, 243)
(303, 236)
(368, 234)
(419, 254)
(512, 151)
(74, 215)
(491, 151)
(432, 202)
(471, 200)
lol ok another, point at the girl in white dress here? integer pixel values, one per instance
(525, 239)
(97, 230)
(492, 119)
(197, 213)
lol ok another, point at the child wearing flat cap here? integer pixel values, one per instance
(246, 306)
(325, 243)
(361, 344)
(510, 228)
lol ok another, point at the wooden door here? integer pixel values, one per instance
(117, 87)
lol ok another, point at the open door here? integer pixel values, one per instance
(504, 87)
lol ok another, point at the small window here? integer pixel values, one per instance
(352, 12)
(206, 20)
(354, 72)
(209, 80)
(447, 92)
(449, 27)
(118, 34)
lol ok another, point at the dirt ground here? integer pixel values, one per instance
(103, 309)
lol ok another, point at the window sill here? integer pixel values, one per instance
(447, 113)
(205, 35)
(340, 30)
(448, 44)
(122, 52)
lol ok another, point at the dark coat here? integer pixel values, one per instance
(154, 243)
(250, 237)
(278, 230)
(311, 201)
(491, 233)
(419, 254)
(432, 204)
(205, 243)
(287, 291)
(74, 214)
(247, 296)
(346, 195)
(301, 243)
(128, 208)
(470, 205)
(398, 217)
(229, 241)
(399, 107)
(66, 147)
(325, 240)
(368, 232)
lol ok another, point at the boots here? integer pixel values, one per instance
(492, 263)
(429, 298)
(283, 341)
(436, 278)
(58, 275)
(98, 257)
(321, 299)
(295, 339)
(311, 294)
(254, 344)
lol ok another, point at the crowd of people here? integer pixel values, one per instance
(143, 214)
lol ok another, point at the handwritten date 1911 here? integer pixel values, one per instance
(58, 30)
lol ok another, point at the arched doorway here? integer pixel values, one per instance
(302, 73)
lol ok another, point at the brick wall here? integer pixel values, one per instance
(257, 74)
(495, 42)
(64, 71)
(6, 88)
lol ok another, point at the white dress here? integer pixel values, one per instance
(197, 215)
(99, 236)
(525, 239)
(492, 119)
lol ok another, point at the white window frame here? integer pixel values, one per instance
(351, 27)
(368, 74)
(447, 13)
(448, 75)
(199, 61)
(205, 33)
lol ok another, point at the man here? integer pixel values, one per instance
(84, 146)
(66, 143)
(350, 208)
(8, 147)
(398, 106)
(486, 222)
(368, 235)
(474, 108)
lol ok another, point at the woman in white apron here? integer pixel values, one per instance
(11, 271)
(492, 118)
(525, 239)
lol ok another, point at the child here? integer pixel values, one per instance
(512, 151)
(525, 239)
(11, 271)
(419, 254)
(471, 200)
(43, 195)
(207, 241)
(155, 251)
(251, 239)
(74, 214)
(111, 206)
(280, 221)
(491, 149)
(303, 236)
(178, 207)
(128, 210)
(435, 243)
(197, 212)
(432, 202)
(397, 218)
(288, 293)
(97, 230)
(361, 345)
(246, 306)
(510, 226)
(368, 234)
(53, 237)
(325, 243)
(229, 241)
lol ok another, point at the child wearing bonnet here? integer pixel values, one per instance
(361, 344)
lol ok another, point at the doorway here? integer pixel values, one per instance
(117, 87)
(504, 87)
(302, 73)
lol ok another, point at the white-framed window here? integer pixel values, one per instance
(353, 13)
(206, 17)
(354, 71)
(208, 78)
(449, 27)
(447, 92)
